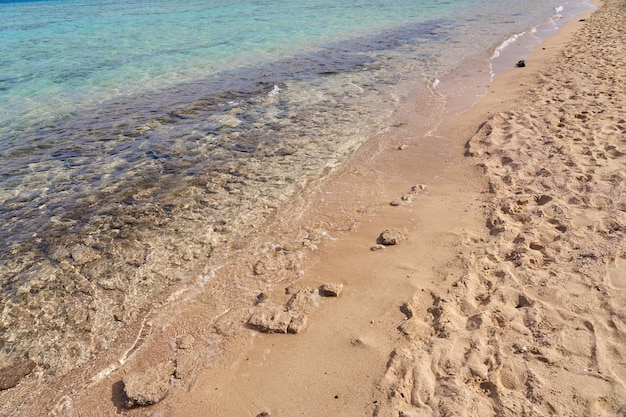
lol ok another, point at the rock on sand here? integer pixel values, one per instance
(149, 386)
(393, 236)
(274, 320)
(332, 289)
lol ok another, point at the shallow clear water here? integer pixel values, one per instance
(139, 139)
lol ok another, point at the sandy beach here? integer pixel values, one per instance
(475, 270)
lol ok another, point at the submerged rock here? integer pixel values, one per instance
(149, 386)
(82, 254)
(13, 374)
(185, 341)
(225, 121)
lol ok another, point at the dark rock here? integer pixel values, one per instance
(520, 64)
(261, 297)
(12, 374)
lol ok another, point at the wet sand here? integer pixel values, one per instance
(505, 299)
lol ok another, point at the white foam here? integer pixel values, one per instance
(274, 91)
(558, 15)
(505, 44)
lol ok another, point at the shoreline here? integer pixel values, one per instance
(382, 281)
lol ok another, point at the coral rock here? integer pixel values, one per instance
(149, 386)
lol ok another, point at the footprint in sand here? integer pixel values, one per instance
(512, 377)
(617, 276)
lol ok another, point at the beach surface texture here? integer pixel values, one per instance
(479, 270)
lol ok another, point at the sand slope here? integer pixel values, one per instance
(535, 324)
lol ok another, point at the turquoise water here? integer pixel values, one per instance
(141, 139)
(58, 55)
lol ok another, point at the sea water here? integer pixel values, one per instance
(141, 140)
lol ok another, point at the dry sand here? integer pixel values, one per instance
(506, 299)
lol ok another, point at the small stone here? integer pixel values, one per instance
(261, 297)
(260, 267)
(521, 63)
(82, 254)
(292, 289)
(377, 247)
(263, 414)
(12, 375)
(148, 387)
(402, 147)
(396, 203)
(185, 341)
(332, 289)
(393, 237)
(225, 121)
